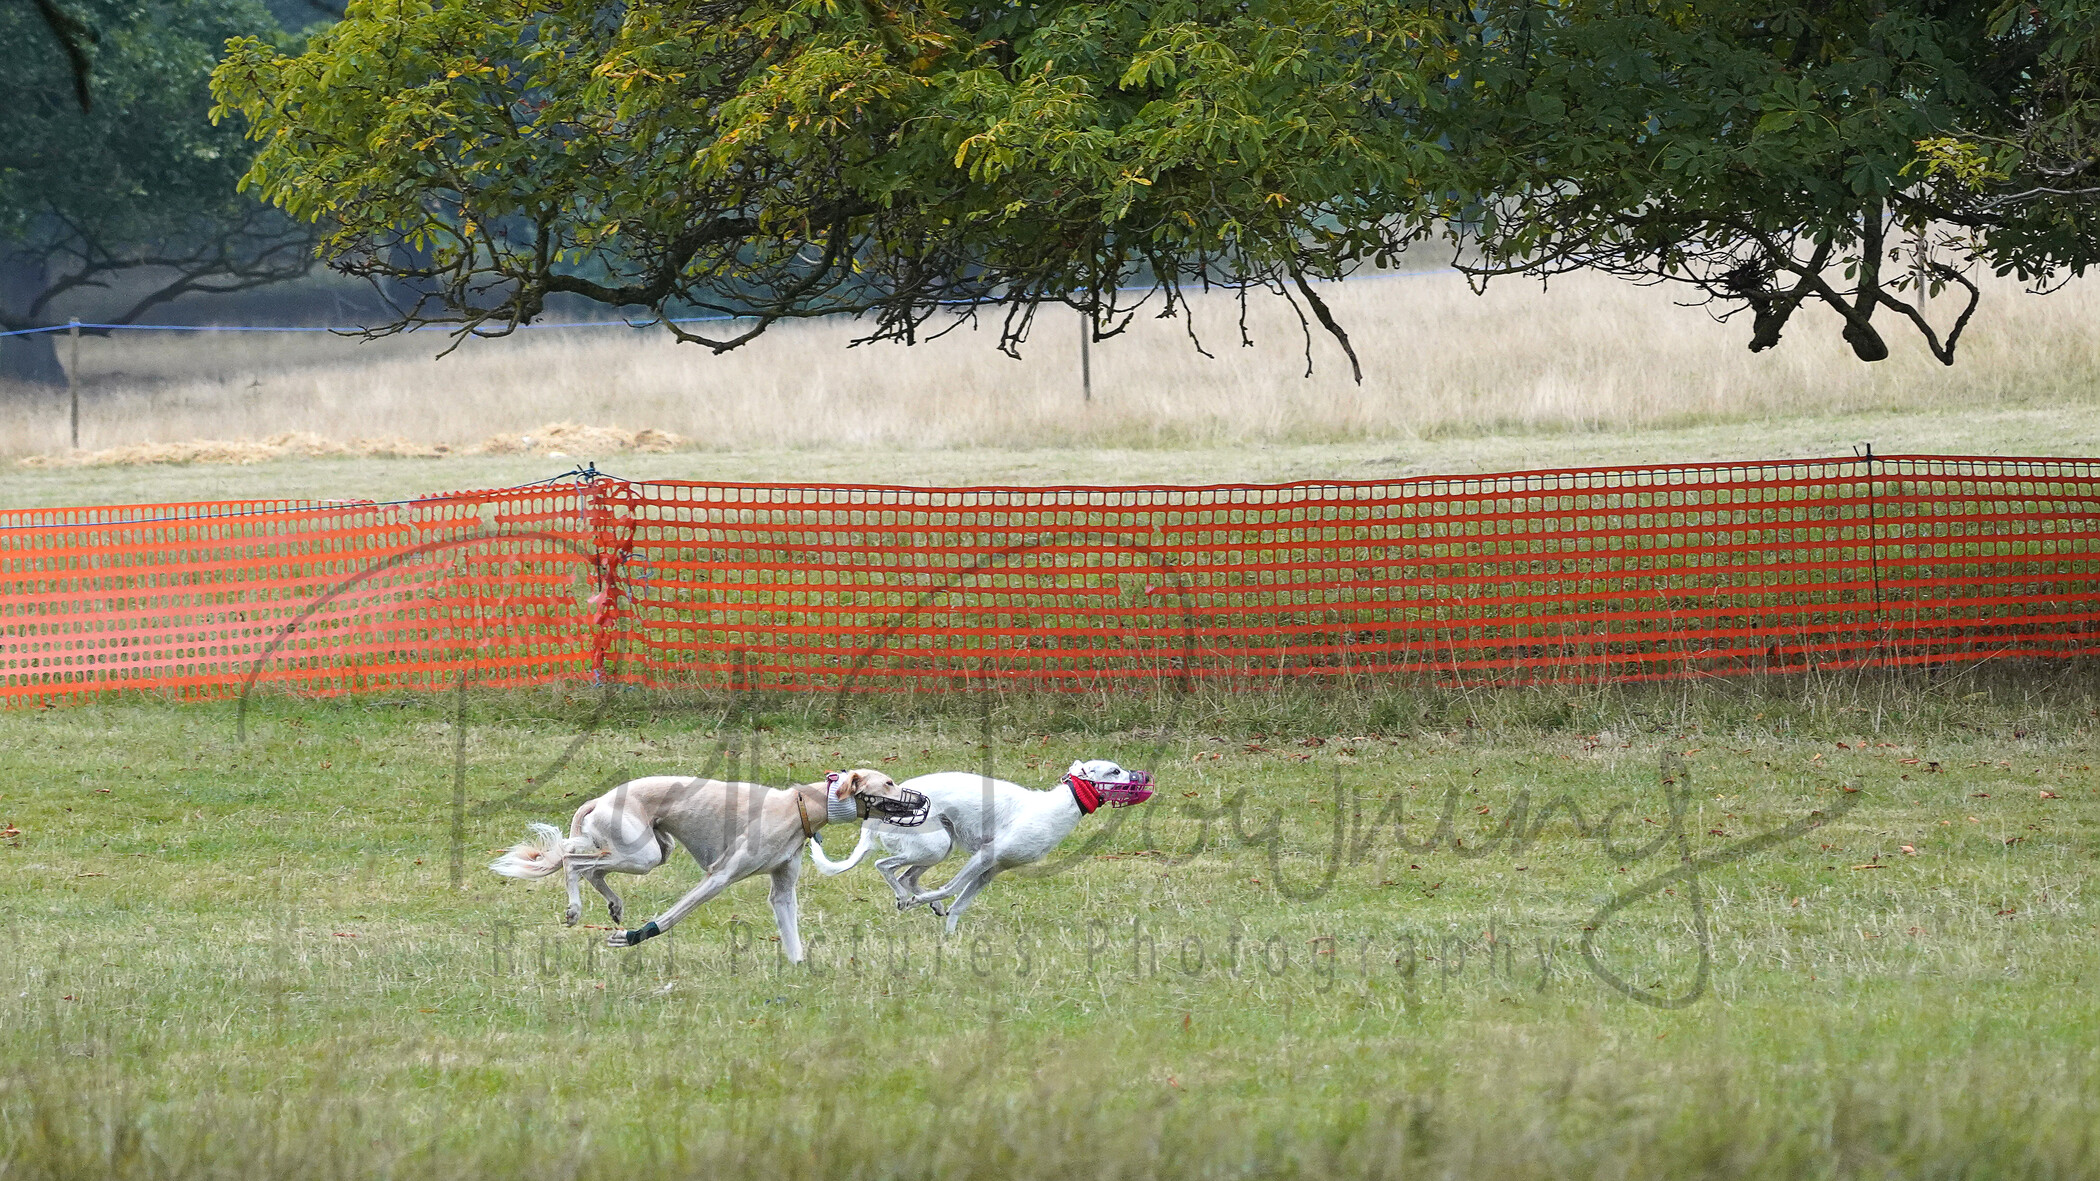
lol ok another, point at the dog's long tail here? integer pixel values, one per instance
(535, 857)
(830, 868)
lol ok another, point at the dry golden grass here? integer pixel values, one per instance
(1588, 355)
(559, 440)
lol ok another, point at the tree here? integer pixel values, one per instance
(1767, 156)
(71, 38)
(111, 212)
(790, 158)
(786, 158)
(2032, 189)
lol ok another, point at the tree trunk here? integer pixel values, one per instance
(30, 359)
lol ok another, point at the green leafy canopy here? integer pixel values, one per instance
(1764, 154)
(788, 158)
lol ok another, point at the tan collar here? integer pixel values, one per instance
(802, 809)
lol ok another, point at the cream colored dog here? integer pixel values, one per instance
(734, 830)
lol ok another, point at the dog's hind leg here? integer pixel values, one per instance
(969, 892)
(612, 900)
(980, 862)
(902, 876)
(910, 877)
(571, 916)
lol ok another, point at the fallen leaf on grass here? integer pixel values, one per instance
(346, 935)
(96, 874)
(1871, 865)
(2050, 795)
(1909, 850)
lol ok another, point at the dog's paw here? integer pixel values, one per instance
(938, 909)
(617, 911)
(570, 918)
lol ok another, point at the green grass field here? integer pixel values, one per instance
(248, 959)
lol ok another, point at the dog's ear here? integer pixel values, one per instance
(862, 779)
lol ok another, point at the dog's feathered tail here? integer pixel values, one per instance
(830, 868)
(535, 857)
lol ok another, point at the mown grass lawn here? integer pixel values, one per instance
(247, 957)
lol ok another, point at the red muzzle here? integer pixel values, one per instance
(1136, 788)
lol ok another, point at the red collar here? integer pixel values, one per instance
(1085, 794)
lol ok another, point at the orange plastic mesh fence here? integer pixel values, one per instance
(1587, 574)
(203, 599)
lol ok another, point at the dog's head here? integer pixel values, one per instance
(871, 794)
(1107, 783)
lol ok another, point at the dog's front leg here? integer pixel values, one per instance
(785, 915)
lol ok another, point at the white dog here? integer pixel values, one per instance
(733, 830)
(1000, 824)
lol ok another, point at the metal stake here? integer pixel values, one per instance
(73, 379)
(1086, 360)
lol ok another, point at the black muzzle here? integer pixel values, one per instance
(909, 812)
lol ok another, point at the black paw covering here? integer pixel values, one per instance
(645, 931)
